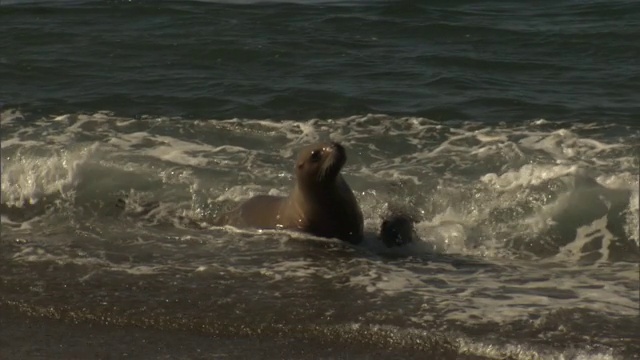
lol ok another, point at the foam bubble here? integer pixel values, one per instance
(512, 351)
(28, 176)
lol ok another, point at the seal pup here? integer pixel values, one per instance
(320, 203)
(397, 230)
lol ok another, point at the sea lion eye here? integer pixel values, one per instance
(315, 155)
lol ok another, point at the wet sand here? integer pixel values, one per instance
(24, 337)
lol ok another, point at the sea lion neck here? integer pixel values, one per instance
(316, 189)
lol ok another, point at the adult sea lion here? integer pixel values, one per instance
(321, 202)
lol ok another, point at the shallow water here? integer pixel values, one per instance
(509, 132)
(530, 251)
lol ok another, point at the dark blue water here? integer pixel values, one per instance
(489, 61)
(509, 129)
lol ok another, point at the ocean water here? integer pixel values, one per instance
(509, 130)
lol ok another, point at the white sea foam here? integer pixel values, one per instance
(494, 351)
(477, 190)
(27, 176)
(36, 254)
(422, 150)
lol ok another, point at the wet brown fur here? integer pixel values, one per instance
(321, 202)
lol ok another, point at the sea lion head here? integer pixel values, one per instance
(320, 164)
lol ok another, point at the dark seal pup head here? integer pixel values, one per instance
(397, 230)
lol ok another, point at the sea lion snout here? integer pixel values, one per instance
(338, 149)
(337, 146)
(335, 160)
